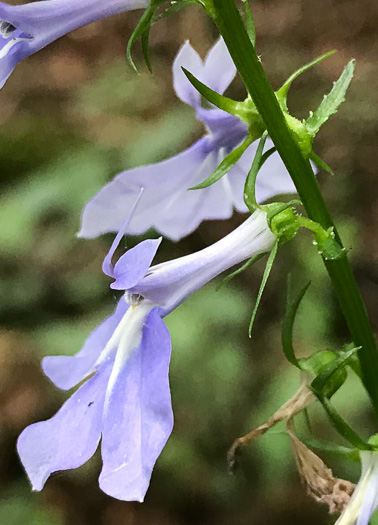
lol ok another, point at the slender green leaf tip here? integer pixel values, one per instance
(292, 306)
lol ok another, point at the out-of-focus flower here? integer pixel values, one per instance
(25, 29)
(166, 204)
(125, 399)
(364, 501)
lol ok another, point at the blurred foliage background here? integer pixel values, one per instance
(75, 115)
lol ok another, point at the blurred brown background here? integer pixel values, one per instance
(72, 117)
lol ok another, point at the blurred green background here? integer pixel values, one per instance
(71, 118)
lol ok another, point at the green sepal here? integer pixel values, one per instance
(282, 92)
(250, 183)
(146, 48)
(332, 448)
(320, 163)
(249, 23)
(292, 306)
(330, 102)
(333, 375)
(245, 111)
(143, 25)
(283, 221)
(246, 265)
(267, 271)
(342, 426)
(226, 164)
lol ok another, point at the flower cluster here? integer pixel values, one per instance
(121, 375)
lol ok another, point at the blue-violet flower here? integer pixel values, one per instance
(125, 399)
(166, 204)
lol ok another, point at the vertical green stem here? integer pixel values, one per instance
(231, 27)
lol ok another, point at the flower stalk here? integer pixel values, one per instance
(231, 27)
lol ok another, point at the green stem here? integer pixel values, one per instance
(231, 27)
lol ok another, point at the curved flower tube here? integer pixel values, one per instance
(25, 29)
(166, 204)
(125, 400)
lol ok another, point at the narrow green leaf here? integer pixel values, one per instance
(320, 382)
(268, 268)
(249, 263)
(221, 102)
(142, 26)
(226, 164)
(320, 163)
(282, 92)
(332, 101)
(332, 448)
(146, 48)
(250, 183)
(341, 425)
(249, 23)
(288, 322)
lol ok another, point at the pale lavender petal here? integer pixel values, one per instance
(69, 438)
(219, 69)
(188, 58)
(37, 24)
(139, 418)
(67, 371)
(164, 183)
(133, 265)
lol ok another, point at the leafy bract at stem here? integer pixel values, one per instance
(332, 101)
(230, 24)
(226, 164)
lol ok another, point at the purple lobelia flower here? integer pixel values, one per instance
(167, 205)
(25, 29)
(364, 501)
(125, 399)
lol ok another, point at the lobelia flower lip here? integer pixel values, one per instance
(364, 501)
(125, 400)
(25, 29)
(166, 204)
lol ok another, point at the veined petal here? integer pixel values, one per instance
(37, 24)
(69, 438)
(219, 70)
(138, 418)
(67, 371)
